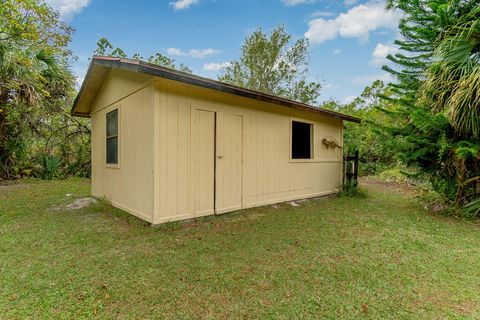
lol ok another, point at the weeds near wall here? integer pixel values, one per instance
(352, 189)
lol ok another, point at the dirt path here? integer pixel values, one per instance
(375, 184)
(11, 185)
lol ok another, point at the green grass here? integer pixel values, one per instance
(377, 257)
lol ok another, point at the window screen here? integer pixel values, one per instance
(112, 137)
(301, 140)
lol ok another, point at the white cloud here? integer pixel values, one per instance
(328, 86)
(322, 14)
(357, 22)
(214, 66)
(68, 8)
(192, 53)
(367, 80)
(79, 80)
(296, 2)
(380, 52)
(321, 30)
(348, 99)
(337, 51)
(349, 3)
(183, 4)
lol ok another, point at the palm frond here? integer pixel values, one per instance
(453, 81)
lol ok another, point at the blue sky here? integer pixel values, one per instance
(349, 39)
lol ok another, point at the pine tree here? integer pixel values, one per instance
(426, 135)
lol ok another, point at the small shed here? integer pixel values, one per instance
(168, 145)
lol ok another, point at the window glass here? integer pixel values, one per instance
(112, 123)
(112, 150)
(301, 140)
(112, 137)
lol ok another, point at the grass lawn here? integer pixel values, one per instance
(377, 257)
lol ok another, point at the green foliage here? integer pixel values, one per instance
(434, 104)
(351, 189)
(472, 209)
(393, 175)
(27, 22)
(165, 61)
(68, 140)
(270, 63)
(50, 166)
(453, 80)
(375, 147)
(105, 48)
(36, 87)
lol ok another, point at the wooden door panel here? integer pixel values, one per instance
(228, 169)
(203, 138)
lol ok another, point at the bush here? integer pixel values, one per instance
(351, 189)
(50, 166)
(368, 168)
(393, 175)
(472, 209)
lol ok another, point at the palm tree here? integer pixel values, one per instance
(30, 79)
(453, 81)
(452, 87)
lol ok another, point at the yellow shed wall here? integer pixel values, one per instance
(268, 175)
(130, 184)
(160, 178)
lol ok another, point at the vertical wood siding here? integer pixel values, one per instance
(128, 185)
(267, 174)
(229, 162)
(167, 148)
(203, 136)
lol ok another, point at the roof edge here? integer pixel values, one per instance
(167, 73)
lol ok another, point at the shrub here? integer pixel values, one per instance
(351, 189)
(472, 209)
(51, 166)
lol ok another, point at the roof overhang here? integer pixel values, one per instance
(100, 66)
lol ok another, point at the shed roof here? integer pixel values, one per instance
(100, 66)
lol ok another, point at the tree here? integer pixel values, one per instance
(423, 24)
(105, 48)
(375, 148)
(165, 61)
(26, 22)
(435, 97)
(270, 63)
(453, 80)
(34, 79)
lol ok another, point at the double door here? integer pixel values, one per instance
(217, 161)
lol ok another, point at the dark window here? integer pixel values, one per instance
(301, 140)
(112, 137)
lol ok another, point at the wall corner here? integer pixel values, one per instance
(157, 178)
